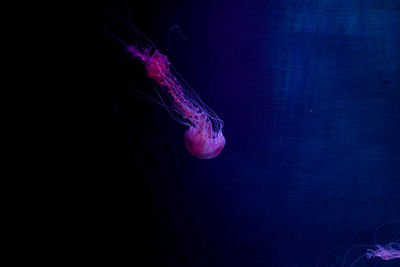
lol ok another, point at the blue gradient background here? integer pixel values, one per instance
(310, 95)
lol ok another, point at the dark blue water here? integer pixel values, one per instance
(310, 95)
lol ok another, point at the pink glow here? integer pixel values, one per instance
(385, 253)
(201, 145)
(204, 138)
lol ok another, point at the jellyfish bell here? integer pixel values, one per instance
(204, 138)
(202, 145)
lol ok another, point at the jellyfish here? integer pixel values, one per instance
(384, 251)
(388, 252)
(203, 138)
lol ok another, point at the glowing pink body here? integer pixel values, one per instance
(201, 139)
(388, 251)
(385, 253)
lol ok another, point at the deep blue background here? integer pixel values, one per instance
(310, 95)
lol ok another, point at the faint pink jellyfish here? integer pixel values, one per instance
(389, 251)
(204, 138)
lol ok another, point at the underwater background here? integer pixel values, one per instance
(310, 95)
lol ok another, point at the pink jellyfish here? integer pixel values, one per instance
(204, 138)
(388, 251)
